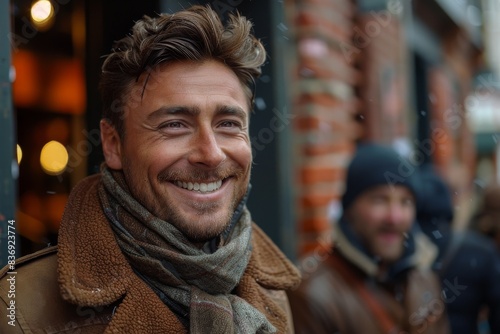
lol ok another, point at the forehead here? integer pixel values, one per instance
(190, 81)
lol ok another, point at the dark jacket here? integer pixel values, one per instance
(87, 286)
(469, 267)
(344, 294)
(468, 263)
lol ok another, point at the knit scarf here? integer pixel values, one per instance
(194, 284)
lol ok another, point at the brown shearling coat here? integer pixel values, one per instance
(85, 284)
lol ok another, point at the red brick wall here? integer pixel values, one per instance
(325, 105)
(350, 83)
(383, 92)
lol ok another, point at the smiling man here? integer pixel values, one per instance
(161, 240)
(186, 154)
(377, 277)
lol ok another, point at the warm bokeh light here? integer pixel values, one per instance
(54, 158)
(56, 84)
(42, 11)
(19, 154)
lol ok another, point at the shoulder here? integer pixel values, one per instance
(30, 298)
(423, 285)
(268, 265)
(25, 267)
(323, 300)
(473, 241)
(30, 277)
(426, 303)
(25, 284)
(321, 281)
(476, 253)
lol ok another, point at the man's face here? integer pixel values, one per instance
(186, 152)
(381, 216)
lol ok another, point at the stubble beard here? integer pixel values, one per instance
(391, 253)
(196, 231)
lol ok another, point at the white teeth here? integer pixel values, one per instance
(201, 187)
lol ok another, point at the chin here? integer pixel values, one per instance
(204, 235)
(392, 257)
(204, 230)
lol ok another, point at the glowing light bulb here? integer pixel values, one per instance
(42, 11)
(19, 154)
(54, 158)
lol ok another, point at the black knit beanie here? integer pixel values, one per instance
(434, 198)
(375, 165)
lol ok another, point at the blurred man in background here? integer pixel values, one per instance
(377, 279)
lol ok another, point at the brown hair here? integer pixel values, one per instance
(195, 34)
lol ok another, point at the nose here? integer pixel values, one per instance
(396, 213)
(206, 150)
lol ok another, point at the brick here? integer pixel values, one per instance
(302, 123)
(313, 200)
(334, 30)
(335, 159)
(324, 100)
(315, 174)
(334, 88)
(306, 123)
(315, 225)
(318, 137)
(329, 67)
(327, 148)
(329, 132)
(315, 212)
(335, 189)
(344, 113)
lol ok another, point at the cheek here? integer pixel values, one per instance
(374, 215)
(147, 159)
(409, 216)
(242, 154)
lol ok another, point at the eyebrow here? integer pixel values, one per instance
(229, 110)
(195, 111)
(175, 110)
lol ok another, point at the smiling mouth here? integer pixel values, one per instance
(199, 186)
(391, 235)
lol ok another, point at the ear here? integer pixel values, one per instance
(111, 145)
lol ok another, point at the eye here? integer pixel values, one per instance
(171, 125)
(377, 199)
(408, 202)
(230, 124)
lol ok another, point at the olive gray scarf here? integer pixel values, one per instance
(194, 284)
